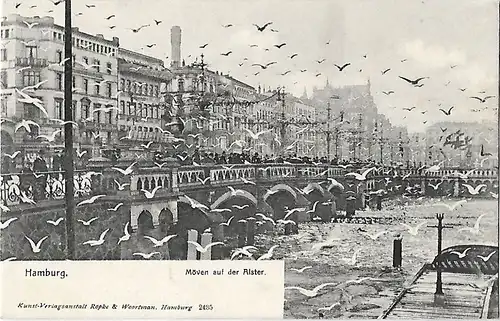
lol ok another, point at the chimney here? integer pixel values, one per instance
(175, 43)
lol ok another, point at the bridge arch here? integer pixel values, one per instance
(315, 186)
(241, 194)
(280, 187)
(144, 222)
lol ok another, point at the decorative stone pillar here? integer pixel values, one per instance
(250, 231)
(206, 238)
(456, 188)
(191, 251)
(242, 234)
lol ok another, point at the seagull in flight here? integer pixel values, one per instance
(56, 222)
(151, 194)
(475, 229)
(6, 224)
(310, 293)
(453, 206)
(302, 269)
(487, 257)
(461, 255)
(474, 190)
(146, 256)
(268, 255)
(255, 136)
(374, 236)
(126, 235)
(262, 28)
(353, 259)
(87, 223)
(36, 247)
(413, 230)
(202, 249)
(126, 171)
(361, 177)
(413, 82)
(90, 200)
(158, 243)
(100, 241)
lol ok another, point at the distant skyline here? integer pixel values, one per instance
(453, 42)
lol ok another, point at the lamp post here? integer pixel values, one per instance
(68, 133)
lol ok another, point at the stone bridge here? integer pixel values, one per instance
(201, 197)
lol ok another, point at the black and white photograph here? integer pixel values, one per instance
(355, 140)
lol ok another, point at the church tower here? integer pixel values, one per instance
(304, 94)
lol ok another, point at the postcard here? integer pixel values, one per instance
(287, 159)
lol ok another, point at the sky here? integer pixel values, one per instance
(452, 42)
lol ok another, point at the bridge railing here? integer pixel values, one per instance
(25, 187)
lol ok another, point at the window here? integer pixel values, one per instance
(156, 93)
(132, 89)
(109, 137)
(150, 92)
(3, 54)
(139, 109)
(59, 81)
(108, 89)
(86, 60)
(109, 68)
(85, 85)
(122, 84)
(4, 80)
(59, 56)
(109, 117)
(151, 111)
(144, 88)
(73, 82)
(31, 77)
(3, 101)
(58, 109)
(97, 89)
(31, 51)
(128, 85)
(122, 105)
(98, 63)
(85, 108)
(97, 114)
(6, 33)
(73, 109)
(31, 112)
(129, 107)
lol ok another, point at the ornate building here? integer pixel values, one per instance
(32, 63)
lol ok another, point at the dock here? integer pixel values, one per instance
(469, 286)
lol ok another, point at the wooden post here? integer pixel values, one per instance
(397, 251)
(439, 295)
(250, 231)
(192, 253)
(206, 238)
(242, 233)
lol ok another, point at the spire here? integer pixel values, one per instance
(327, 85)
(304, 94)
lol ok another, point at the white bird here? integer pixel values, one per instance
(56, 222)
(158, 243)
(480, 285)
(146, 146)
(246, 181)
(228, 221)
(84, 65)
(266, 218)
(25, 199)
(30, 100)
(145, 255)
(434, 168)
(126, 171)
(4, 209)
(330, 307)
(50, 137)
(435, 186)
(244, 250)
(474, 190)
(466, 175)
(267, 255)
(90, 200)
(374, 236)
(302, 269)
(487, 257)
(461, 255)
(413, 230)
(310, 293)
(80, 154)
(26, 125)
(256, 135)
(234, 192)
(195, 204)
(100, 241)
(285, 222)
(13, 155)
(220, 210)
(36, 247)
(241, 207)
(361, 177)
(293, 210)
(6, 224)
(30, 25)
(353, 259)
(202, 249)
(475, 229)
(203, 181)
(455, 205)
(114, 209)
(313, 208)
(87, 223)
(151, 194)
(358, 281)
(126, 235)
(121, 187)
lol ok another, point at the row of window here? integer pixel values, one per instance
(88, 86)
(86, 45)
(137, 88)
(5, 33)
(139, 128)
(140, 109)
(86, 60)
